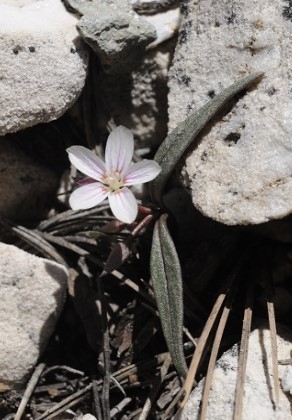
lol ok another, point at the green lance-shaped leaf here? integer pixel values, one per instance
(175, 144)
(167, 282)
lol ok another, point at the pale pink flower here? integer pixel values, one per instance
(111, 179)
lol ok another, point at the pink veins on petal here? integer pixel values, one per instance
(109, 179)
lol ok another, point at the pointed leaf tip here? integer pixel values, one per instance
(176, 143)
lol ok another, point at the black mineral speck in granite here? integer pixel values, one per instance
(232, 138)
(287, 10)
(16, 49)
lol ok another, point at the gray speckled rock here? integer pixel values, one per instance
(43, 63)
(151, 7)
(114, 31)
(138, 100)
(257, 402)
(241, 172)
(32, 292)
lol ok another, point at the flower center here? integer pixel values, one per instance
(113, 180)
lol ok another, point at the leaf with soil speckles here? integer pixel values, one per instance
(167, 282)
(176, 143)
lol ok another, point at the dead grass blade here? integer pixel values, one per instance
(203, 339)
(196, 359)
(215, 348)
(213, 358)
(34, 239)
(273, 332)
(122, 376)
(243, 352)
(70, 215)
(83, 253)
(156, 386)
(201, 346)
(96, 400)
(29, 390)
(119, 407)
(65, 404)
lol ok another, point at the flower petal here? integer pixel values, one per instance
(141, 172)
(123, 205)
(86, 162)
(85, 181)
(119, 150)
(88, 196)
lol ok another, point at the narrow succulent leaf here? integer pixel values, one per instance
(167, 283)
(175, 144)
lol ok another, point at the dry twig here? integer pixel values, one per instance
(29, 390)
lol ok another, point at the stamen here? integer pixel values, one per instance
(113, 180)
